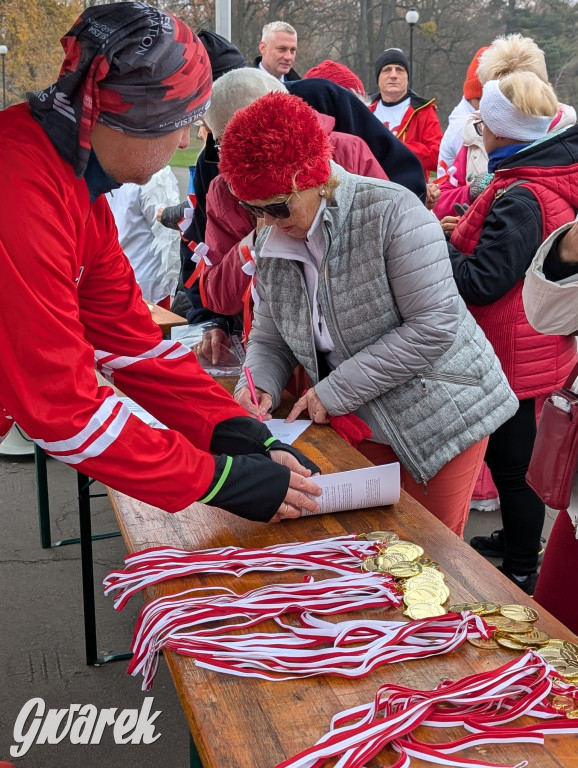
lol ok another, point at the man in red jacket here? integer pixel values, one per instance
(408, 116)
(133, 80)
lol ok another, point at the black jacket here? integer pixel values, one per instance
(291, 75)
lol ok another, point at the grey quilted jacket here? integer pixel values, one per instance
(412, 354)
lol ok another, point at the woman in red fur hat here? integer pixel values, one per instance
(354, 283)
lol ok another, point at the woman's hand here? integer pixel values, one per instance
(313, 404)
(568, 246)
(433, 194)
(243, 397)
(297, 499)
(449, 223)
(214, 346)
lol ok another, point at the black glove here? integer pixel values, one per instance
(249, 486)
(242, 435)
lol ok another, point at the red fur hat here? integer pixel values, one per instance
(337, 73)
(272, 147)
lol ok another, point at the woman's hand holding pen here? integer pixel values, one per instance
(243, 397)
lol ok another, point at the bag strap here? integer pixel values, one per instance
(571, 378)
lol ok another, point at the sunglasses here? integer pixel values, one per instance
(276, 210)
(479, 127)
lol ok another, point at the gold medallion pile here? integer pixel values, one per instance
(563, 656)
(514, 626)
(422, 583)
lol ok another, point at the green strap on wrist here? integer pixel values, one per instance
(220, 482)
(269, 442)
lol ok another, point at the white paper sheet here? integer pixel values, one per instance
(358, 488)
(287, 433)
(143, 415)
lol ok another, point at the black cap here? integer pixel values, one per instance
(223, 55)
(391, 56)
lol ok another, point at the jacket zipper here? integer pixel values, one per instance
(469, 381)
(304, 286)
(394, 429)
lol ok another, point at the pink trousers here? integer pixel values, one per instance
(449, 492)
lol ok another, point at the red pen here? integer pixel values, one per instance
(252, 390)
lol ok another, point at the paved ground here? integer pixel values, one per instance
(41, 636)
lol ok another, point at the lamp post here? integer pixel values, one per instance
(3, 52)
(412, 18)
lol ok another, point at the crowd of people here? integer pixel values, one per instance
(371, 260)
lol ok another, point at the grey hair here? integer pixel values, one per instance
(276, 26)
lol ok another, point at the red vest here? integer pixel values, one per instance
(534, 364)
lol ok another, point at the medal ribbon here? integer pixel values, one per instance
(501, 695)
(188, 214)
(200, 251)
(250, 292)
(448, 175)
(341, 554)
(172, 617)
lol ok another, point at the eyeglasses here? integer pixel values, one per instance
(276, 210)
(479, 127)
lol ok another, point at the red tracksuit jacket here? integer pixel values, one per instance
(68, 297)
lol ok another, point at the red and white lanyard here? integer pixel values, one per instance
(348, 648)
(341, 554)
(177, 618)
(490, 698)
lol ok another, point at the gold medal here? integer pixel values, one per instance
(423, 611)
(410, 597)
(383, 561)
(517, 627)
(409, 550)
(405, 570)
(473, 607)
(369, 565)
(384, 536)
(488, 644)
(503, 623)
(488, 609)
(519, 612)
(563, 703)
(533, 638)
(430, 573)
(507, 642)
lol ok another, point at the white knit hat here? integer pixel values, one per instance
(507, 121)
(234, 91)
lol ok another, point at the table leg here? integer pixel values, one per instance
(42, 497)
(194, 760)
(89, 607)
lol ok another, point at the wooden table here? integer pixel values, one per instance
(249, 723)
(164, 318)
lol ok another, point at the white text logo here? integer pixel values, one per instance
(81, 724)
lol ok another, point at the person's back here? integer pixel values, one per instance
(151, 248)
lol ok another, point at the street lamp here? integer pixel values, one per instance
(3, 52)
(412, 18)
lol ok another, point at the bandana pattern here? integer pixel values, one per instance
(128, 65)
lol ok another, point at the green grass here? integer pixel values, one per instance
(185, 157)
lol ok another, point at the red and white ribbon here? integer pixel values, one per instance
(495, 697)
(188, 214)
(201, 259)
(250, 292)
(341, 554)
(445, 174)
(174, 619)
